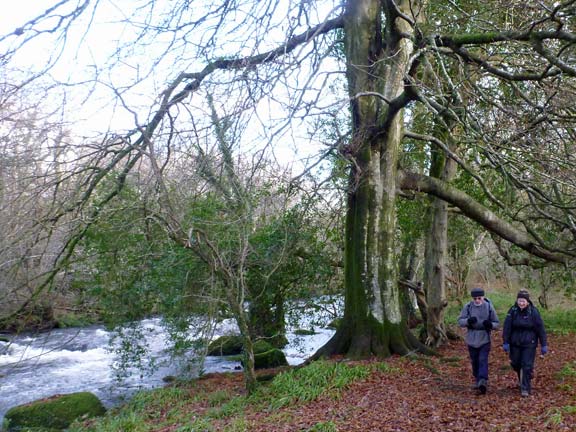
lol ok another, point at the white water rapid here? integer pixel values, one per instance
(71, 360)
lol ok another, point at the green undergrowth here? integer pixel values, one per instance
(309, 383)
(323, 427)
(555, 416)
(568, 371)
(559, 321)
(167, 407)
(567, 377)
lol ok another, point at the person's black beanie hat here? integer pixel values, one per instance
(524, 295)
(477, 292)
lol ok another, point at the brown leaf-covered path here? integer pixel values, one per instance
(436, 394)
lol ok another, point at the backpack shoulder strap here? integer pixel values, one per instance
(489, 309)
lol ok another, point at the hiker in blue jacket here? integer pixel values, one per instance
(523, 329)
(479, 317)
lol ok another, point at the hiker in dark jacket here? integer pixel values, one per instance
(479, 317)
(523, 328)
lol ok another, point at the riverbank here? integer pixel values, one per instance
(400, 394)
(36, 366)
(43, 318)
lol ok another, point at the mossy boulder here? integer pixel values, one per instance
(54, 413)
(67, 320)
(233, 345)
(225, 346)
(304, 332)
(34, 317)
(265, 356)
(261, 346)
(270, 359)
(278, 341)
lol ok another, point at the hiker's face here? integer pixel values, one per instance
(478, 300)
(522, 303)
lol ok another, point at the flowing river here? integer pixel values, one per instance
(72, 360)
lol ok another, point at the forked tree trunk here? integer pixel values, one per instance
(377, 61)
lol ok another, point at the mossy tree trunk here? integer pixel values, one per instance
(378, 58)
(236, 302)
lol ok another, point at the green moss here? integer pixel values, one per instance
(74, 320)
(261, 346)
(270, 359)
(304, 332)
(233, 345)
(57, 412)
(225, 345)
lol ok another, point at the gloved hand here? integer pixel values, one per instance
(544, 350)
(487, 324)
(472, 321)
(506, 347)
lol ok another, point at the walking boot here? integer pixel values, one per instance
(482, 386)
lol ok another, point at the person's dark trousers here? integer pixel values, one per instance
(479, 359)
(522, 361)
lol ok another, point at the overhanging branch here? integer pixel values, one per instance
(479, 213)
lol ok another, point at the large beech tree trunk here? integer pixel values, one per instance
(378, 58)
